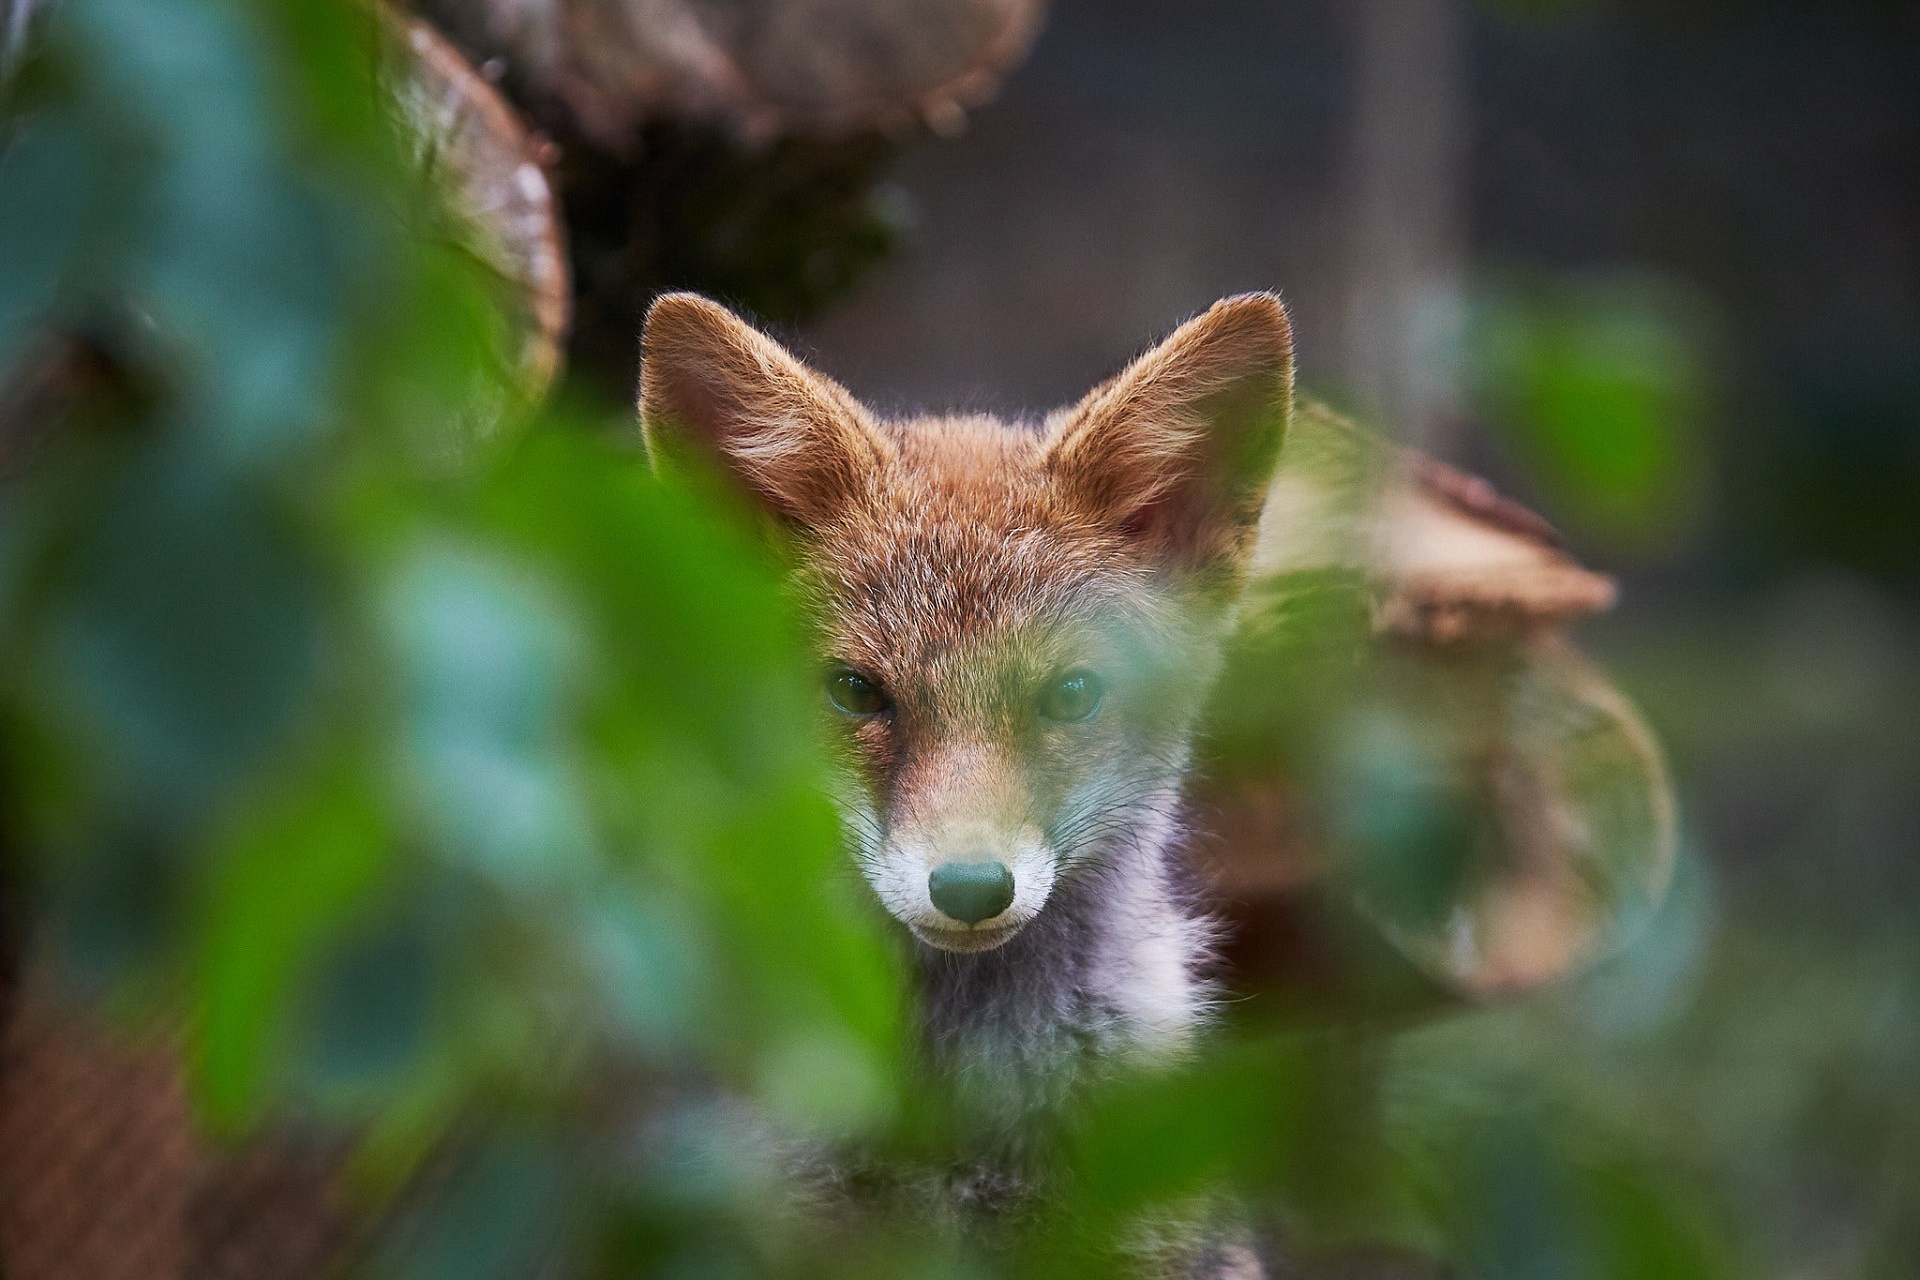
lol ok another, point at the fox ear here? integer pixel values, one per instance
(1178, 450)
(713, 384)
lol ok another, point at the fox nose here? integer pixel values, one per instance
(971, 891)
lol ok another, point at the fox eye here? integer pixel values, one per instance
(1074, 696)
(853, 693)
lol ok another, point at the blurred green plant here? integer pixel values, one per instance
(422, 759)
(1600, 389)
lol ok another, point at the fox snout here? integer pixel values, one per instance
(971, 891)
(961, 877)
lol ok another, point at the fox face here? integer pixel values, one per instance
(1016, 623)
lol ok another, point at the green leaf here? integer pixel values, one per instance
(46, 182)
(187, 634)
(297, 868)
(1601, 388)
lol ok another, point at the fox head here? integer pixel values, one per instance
(1016, 622)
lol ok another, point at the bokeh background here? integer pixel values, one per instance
(421, 801)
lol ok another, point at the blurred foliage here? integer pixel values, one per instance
(1488, 800)
(448, 776)
(431, 765)
(1600, 387)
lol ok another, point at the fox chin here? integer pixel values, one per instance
(1017, 624)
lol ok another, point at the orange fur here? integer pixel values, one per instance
(798, 441)
(1174, 453)
(1181, 445)
(961, 563)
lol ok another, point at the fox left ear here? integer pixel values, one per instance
(713, 384)
(1177, 451)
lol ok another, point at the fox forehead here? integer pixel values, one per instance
(960, 549)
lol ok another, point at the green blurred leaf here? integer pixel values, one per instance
(1229, 1117)
(369, 1009)
(485, 654)
(46, 183)
(1404, 812)
(187, 636)
(1644, 1228)
(498, 1217)
(304, 861)
(1600, 387)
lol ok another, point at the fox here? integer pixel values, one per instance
(1017, 625)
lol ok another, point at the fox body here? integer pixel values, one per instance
(1017, 624)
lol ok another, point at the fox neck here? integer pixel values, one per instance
(1113, 968)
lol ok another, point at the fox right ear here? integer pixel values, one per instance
(1178, 450)
(713, 384)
